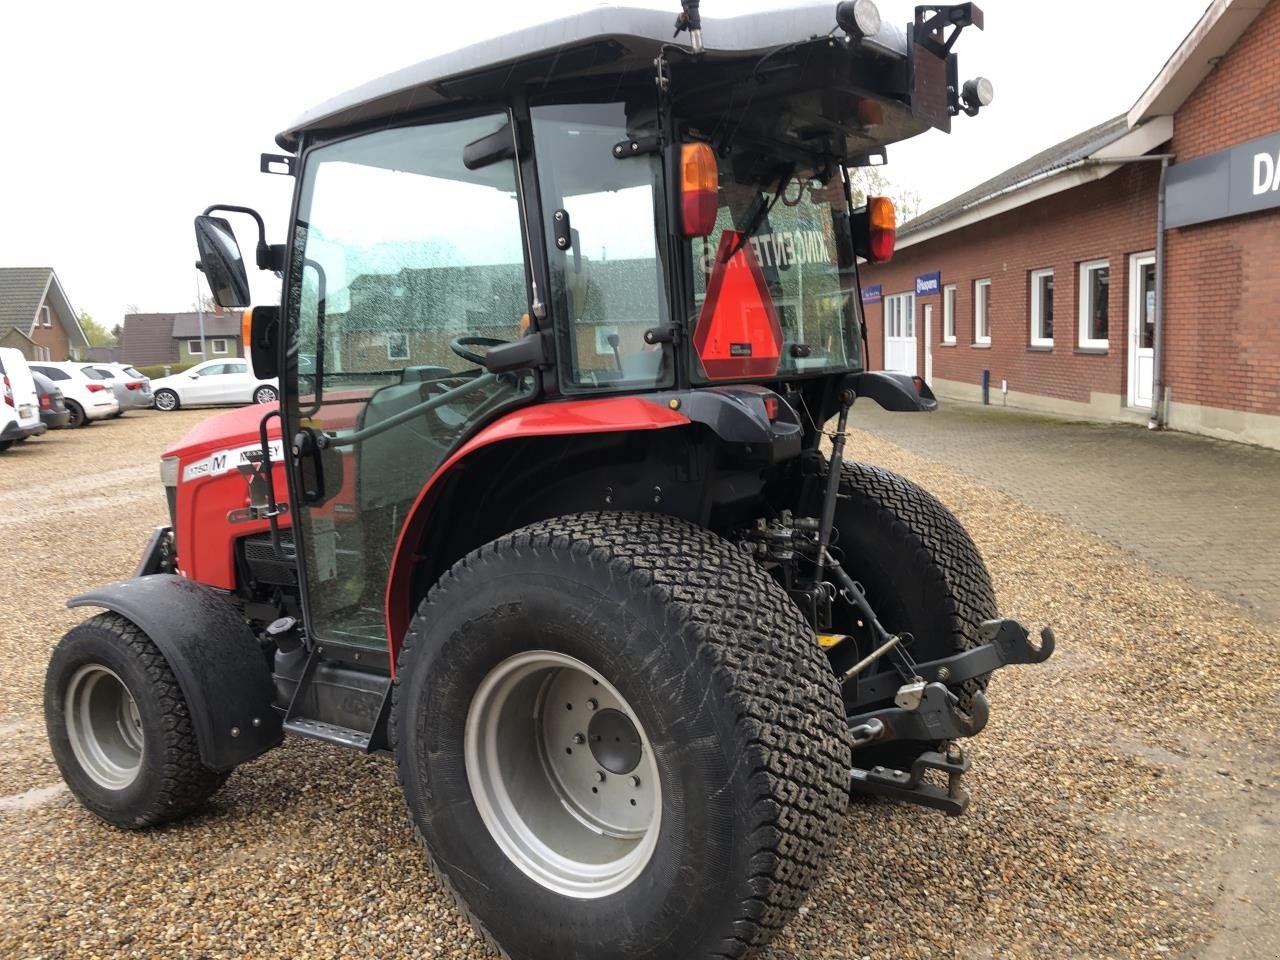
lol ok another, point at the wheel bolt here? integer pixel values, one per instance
(592, 704)
(635, 781)
(579, 738)
(599, 776)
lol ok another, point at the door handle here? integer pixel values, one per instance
(308, 456)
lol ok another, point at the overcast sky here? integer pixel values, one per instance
(121, 121)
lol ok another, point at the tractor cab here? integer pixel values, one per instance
(587, 212)
(554, 507)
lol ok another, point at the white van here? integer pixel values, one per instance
(19, 402)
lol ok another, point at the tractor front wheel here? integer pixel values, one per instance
(617, 739)
(119, 726)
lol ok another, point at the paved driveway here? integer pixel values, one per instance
(1203, 509)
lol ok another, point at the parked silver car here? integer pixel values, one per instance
(132, 390)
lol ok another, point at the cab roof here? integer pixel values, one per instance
(608, 40)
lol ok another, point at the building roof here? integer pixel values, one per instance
(23, 290)
(1045, 162)
(21, 293)
(1223, 23)
(148, 338)
(1084, 158)
(152, 337)
(187, 325)
(610, 39)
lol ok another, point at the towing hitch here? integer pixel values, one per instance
(924, 709)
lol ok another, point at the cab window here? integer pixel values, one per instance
(790, 217)
(606, 278)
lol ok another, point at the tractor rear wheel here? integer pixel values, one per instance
(119, 726)
(922, 574)
(617, 739)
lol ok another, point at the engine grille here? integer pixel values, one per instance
(262, 563)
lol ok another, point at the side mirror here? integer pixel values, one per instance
(260, 329)
(221, 262)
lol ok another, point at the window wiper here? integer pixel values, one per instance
(764, 207)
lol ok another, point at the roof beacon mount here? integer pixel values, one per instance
(690, 19)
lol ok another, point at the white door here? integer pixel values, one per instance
(900, 333)
(1142, 328)
(202, 384)
(237, 385)
(928, 343)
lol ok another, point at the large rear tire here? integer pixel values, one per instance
(700, 828)
(922, 574)
(120, 728)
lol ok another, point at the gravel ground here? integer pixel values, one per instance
(1125, 792)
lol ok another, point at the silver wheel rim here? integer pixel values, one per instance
(562, 774)
(264, 395)
(104, 727)
(165, 401)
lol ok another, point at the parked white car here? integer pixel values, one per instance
(212, 383)
(87, 392)
(19, 402)
(132, 389)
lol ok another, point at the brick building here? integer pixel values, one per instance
(1051, 280)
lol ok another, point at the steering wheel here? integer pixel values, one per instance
(459, 346)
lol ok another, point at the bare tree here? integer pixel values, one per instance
(872, 182)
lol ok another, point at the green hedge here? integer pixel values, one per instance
(154, 371)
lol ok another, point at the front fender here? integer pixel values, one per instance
(213, 655)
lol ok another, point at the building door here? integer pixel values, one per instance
(900, 333)
(1142, 328)
(928, 343)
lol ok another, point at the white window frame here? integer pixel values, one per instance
(219, 345)
(1037, 309)
(1085, 282)
(195, 348)
(46, 320)
(981, 303)
(949, 313)
(392, 356)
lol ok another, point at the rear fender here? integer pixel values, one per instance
(213, 655)
(604, 415)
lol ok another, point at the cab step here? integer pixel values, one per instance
(328, 732)
(335, 700)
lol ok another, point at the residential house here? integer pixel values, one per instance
(36, 317)
(151, 338)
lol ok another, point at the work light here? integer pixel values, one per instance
(858, 18)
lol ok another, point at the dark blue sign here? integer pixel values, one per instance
(927, 284)
(871, 294)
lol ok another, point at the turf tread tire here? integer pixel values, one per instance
(182, 783)
(760, 652)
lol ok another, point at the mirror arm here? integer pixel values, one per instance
(268, 257)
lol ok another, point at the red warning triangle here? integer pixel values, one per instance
(738, 334)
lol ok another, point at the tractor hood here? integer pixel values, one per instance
(231, 428)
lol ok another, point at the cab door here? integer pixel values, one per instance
(402, 255)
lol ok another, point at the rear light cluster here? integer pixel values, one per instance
(45, 402)
(133, 385)
(882, 229)
(8, 392)
(699, 189)
(94, 387)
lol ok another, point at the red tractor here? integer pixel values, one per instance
(544, 511)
